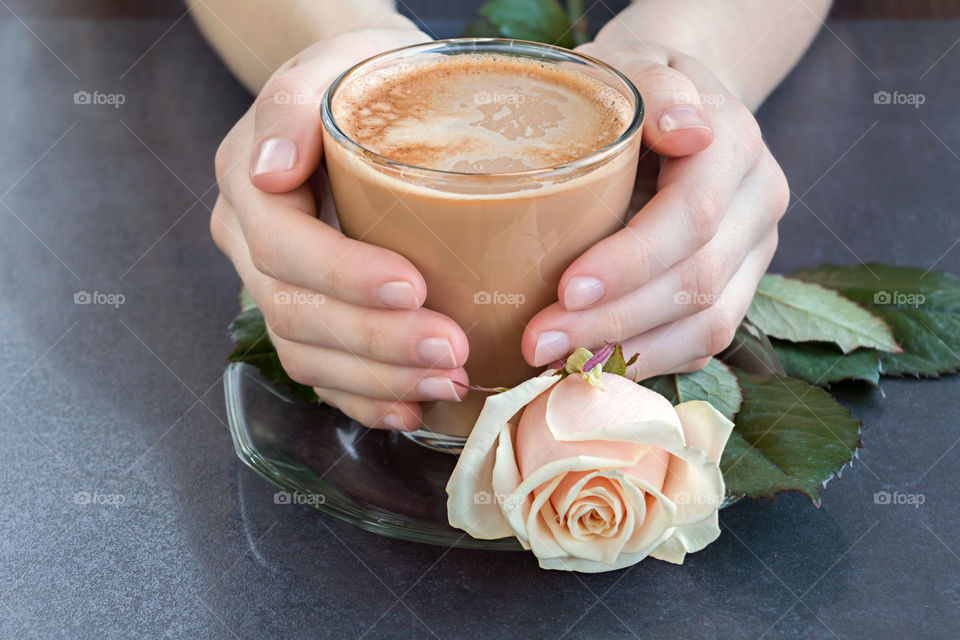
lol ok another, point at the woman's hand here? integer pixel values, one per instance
(345, 316)
(674, 283)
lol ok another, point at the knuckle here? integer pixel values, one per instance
(770, 244)
(295, 367)
(637, 253)
(704, 208)
(218, 229)
(268, 305)
(283, 91)
(375, 336)
(221, 162)
(779, 191)
(338, 279)
(708, 278)
(748, 130)
(720, 331)
(283, 320)
(261, 241)
(612, 325)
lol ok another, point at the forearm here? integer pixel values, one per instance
(254, 37)
(749, 44)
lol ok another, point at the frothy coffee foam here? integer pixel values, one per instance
(480, 113)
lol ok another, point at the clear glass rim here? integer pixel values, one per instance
(497, 45)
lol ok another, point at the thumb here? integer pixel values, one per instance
(675, 122)
(287, 131)
(288, 134)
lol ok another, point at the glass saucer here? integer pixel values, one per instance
(378, 480)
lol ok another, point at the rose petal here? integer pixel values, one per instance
(688, 539)
(651, 468)
(596, 548)
(543, 541)
(506, 479)
(575, 485)
(694, 483)
(474, 471)
(704, 427)
(537, 445)
(625, 412)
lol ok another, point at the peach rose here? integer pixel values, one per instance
(592, 479)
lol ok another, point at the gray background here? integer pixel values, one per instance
(128, 401)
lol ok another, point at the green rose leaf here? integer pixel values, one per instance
(789, 436)
(922, 308)
(253, 346)
(751, 351)
(802, 312)
(821, 363)
(537, 20)
(716, 383)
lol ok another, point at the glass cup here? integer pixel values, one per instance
(491, 246)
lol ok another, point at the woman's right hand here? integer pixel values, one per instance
(344, 316)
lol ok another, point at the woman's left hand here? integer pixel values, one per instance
(674, 284)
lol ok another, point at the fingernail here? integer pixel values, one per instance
(681, 118)
(582, 291)
(398, 294)
(276, 154)
(552, 345)
(438, 388)
(394, 421)
(436, 352)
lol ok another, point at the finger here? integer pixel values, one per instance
(410, 338)
(690, 367)
(675, 122)
(288, 135)
(686, 288)
(377, 414)
(334, 369)
(285, 241)
(693, 196)
(701, 335)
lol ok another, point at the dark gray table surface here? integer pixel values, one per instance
(127, 401)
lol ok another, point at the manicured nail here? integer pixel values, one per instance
(398, 294)
(394, 421)
(436, 352)
(276, 154)
(681, 118)
(581, 292)
(438, 388)
(552, 345)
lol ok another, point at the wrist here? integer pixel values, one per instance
(362, 16)
(652, 23)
